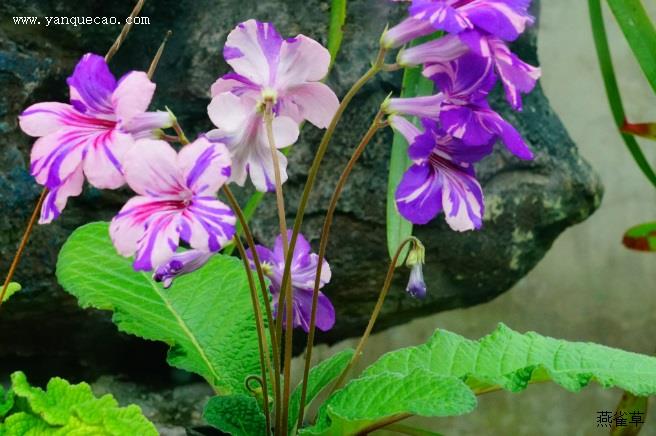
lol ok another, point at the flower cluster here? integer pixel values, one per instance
(458, 127)
(106, 136)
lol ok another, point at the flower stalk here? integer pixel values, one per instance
(376, 125)
(374, 315)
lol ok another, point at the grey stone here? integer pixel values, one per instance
(528, 203)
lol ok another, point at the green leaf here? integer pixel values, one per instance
(6, 401)
(65, 409)
(398, 228)
(639, 32)
(509, 360)
(642, 237)
(238, 415)
(320, 376)
(336, 29)
(11, 290)
(368, 403)
(206, 317)
(612, 88)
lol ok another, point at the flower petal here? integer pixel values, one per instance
(132, 95)
(150, 168)
(57, 197)
(235, 84)
(103, 157)
(158, 243)
(253, 50)
(56, 156)
(42, 119)
(316, 103)
(207, 224)
(503, 18)
(205, 166)
(231, 113)
(303, 310)
(302, 59)
(92, 85)
(418, 196)
(462, 199)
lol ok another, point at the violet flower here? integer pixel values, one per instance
(87, 138)
(180, 263)
(268, 69)
(442, 179)
(176, 201)
(517, 76)
(462, 107)
(303, 273)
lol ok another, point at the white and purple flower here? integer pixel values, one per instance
(88, 137)
(176, 201)
(181, 263)
(441, 179)
(268, 69)
(303, 274)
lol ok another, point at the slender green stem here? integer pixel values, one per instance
(124, 32)
(385, 423)
(321, 151)
(158, 55)
(285, 292)
(374, 315)
(612, 88)
(264, 353)
(323, 245)
(265, 293)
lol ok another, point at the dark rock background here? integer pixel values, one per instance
(528, 203)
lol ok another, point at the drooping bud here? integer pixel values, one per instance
(180, 263)
(416, 285)
(406, 31)
(147, 125)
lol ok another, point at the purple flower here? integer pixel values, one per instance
(416, 285)
(176, 201)
(461, 107)
(506, 19)
(442, 179)
(87, 137)
(179, 264)
(517, 76)
(268, 68)
(303, 273)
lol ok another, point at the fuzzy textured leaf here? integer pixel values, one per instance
(368, 401)
(320, 376)
(11, 290)
(238, 415)
(6, 401)
(509, 360)
(71, 410)
(206, 317)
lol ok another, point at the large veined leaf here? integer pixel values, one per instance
(320, 376)
(639, 32)
(238, 415)
(6, 401)
(641, 238)
(509, 360)
(71, 410)
(367, 403)
(206, 317)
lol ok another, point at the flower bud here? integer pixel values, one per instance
(416, 285)
(179, 264)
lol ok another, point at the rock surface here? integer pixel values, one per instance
(528, 203)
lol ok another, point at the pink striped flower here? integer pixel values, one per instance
(89, 136)
(176, 201)
(267, 68)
